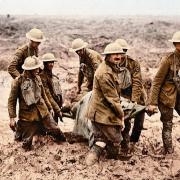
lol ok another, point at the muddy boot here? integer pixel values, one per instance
(94, 154)
(27, 145)
(124, 149)
(112, 151)
(59, 137)
(132, 147)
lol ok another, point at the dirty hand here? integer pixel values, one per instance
(12, 124)
(151, 109)
(52, 112)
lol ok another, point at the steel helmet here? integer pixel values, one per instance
(78, 44)
(32, 62)
(35, 35)
(113, 48)
(48, 57)
(123, 43)
(176, 37)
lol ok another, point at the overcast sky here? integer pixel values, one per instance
(91, 7)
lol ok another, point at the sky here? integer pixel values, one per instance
(90, 7)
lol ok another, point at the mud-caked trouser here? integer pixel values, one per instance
(26, 130)
(110, 135)
(136, 131)
(166, 118)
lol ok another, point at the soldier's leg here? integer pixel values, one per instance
(125, 135)
(166, 118)
(52, 128)
(97, 146)
(28, 130)
(112, 138)
(18, 133)
(138, 126)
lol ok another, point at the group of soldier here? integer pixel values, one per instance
(110, 78)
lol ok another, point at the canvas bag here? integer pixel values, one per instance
(31, 91)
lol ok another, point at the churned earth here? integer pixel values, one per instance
(148, 38)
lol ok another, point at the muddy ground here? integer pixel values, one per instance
(148, 38)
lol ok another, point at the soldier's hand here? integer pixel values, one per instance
(123, 125)
(151, 109)
(12, 124)
(52, 112)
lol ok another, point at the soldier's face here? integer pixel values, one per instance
(34, 44)
(50, 65)
(177, 46)
(116, 58)
(35, 72)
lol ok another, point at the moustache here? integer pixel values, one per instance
(117, 59)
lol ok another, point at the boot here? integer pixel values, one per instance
(58, 136)
(93, 155)
(112, 151)
(132, 147)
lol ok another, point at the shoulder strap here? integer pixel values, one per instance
(174, 65)
(126, 61)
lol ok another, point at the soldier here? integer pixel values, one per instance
(131, 88)
(89, 61)
(105, 110)
(165, 93)
(36, 37)
(51, 84)
(34, 107)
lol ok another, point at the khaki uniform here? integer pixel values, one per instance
(88, 65)
(105, 110)
(164, 94)
(135, 93)
(54, 97)
(32, 118)
(105, 107)
(15, 67)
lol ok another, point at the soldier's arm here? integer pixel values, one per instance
(12, 69)
(80, 79)
(12, 100)
(110, 93)
(136, 83)
(158, 81)
(96, 60)
(50, 97)
(45, 98)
